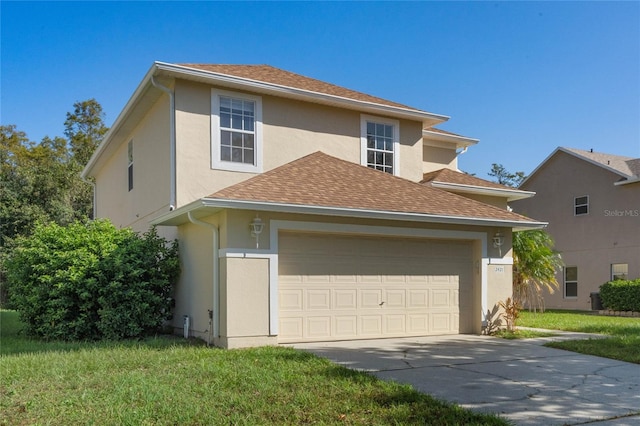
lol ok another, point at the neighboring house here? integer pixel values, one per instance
(591, 201)
(299, 209)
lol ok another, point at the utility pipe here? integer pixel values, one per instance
(172, 141)
(215, 272)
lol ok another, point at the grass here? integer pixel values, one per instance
(623, 343)
(522, 334)
(169, 381)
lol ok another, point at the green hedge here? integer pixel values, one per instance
(91, 281)
(621, 295)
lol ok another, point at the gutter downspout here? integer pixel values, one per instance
(215, 273)
(172, 141)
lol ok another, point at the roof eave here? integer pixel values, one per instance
(212, 205)
(292, 92)
(509, 194)
(634, 179)
(460, 141)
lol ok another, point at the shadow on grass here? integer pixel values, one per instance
(16, 342)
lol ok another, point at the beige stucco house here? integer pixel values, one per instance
(305, 211)
(591, 201)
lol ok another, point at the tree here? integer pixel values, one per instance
(84, 129)
(535, 264)
(504, 177)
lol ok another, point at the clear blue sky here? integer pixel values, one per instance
(523, 77)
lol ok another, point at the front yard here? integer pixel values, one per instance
(623, 343)
(171, 381)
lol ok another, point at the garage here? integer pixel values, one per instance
(343, 287)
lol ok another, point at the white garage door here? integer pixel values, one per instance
(337, 287)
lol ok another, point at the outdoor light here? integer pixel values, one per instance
(256, 226)
(498, 241)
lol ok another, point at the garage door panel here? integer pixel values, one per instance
(345, 287)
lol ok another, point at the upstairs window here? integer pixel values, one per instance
(236, 132)
(571, 282)
(619, 271)
(130, 164)
(379, 144)
(581, 205)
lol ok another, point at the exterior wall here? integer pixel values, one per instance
(608, 234)
(500, 202)
(246, 272)
(436, 158)
(151, 178)
(291, 129)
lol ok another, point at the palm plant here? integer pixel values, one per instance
(535, 264)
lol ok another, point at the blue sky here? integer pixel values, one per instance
(523, 77)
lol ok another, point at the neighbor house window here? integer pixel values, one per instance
(581, 205)
(571, 282)
(379, 143)
(619, 271)
(236, 131)
(130, 164)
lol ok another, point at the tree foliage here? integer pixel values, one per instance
(89, 281)
(535, 264)
(504, 177)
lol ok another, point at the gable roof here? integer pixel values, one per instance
(627, 168)
(451, 180)
(321, 184)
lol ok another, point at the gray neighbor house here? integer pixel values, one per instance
(591, 201)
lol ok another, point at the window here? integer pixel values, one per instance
(619, 271)
(236, 132)
(581, 205)
(379, 143)
(570, 282)
(130, 164)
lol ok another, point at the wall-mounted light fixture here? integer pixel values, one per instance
(256, 227)
(498, 241)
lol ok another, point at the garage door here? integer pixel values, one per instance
(338, 287)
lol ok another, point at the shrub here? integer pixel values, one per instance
(621, 295)
(92, 281)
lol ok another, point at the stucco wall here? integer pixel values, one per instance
(436, 158)
(291, 129)
(610, 233)
(151, 174)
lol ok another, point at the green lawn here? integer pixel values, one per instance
(169, 381)
(623, 343)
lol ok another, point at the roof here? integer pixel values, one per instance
(322, 184)
(451, 180)
(280, 77)
(627, 168)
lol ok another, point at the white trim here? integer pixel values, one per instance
(507, 260)
(216, 161)
(429, 137)
(575, 206)
(364, 118)
(275, 226)
(511, 194)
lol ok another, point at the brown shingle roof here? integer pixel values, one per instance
(451, 176)
(277, 76)
(623, 165)
(322, 180)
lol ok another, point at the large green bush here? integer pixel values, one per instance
(92, 281)
(621, 295)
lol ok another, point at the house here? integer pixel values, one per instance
(302, 209)
(591, 201)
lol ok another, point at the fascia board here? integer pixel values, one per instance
(226, 79)
(460, 141)
(219, 204)
(510, 194)
(634, 179)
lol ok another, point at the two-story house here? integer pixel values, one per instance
(302, 208)
(591, 201)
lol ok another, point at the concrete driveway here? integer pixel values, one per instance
(518, 379)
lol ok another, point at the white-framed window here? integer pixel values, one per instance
(236, 131)
(619, 271)
(130, 164)
(570, 282)
(581, 205)
(379, 143)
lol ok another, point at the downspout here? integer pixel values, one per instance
(215, 273)
(172, 141)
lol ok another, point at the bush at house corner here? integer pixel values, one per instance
(621, 295)
(91, 281)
